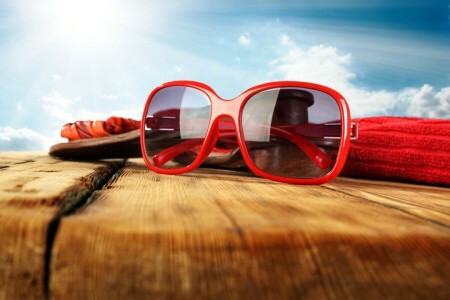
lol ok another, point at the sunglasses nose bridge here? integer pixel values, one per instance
(222, 146)
(224, 108)
(222, 126)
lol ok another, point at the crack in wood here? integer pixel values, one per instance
(24, 162)
(75, 199)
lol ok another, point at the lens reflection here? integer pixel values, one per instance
(175, 127)
(292, 132)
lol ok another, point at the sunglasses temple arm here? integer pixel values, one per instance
(168, 154)
(319, 157)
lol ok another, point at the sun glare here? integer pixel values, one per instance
(85, 19)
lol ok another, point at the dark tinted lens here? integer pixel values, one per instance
(175, 126)
(292, 132)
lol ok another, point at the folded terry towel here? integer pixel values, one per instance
(401, 149)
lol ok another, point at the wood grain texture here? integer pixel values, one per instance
(221, 234)
(34, 191)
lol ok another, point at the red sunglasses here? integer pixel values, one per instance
(288, 131)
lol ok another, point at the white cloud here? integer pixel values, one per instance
(23, 139)
(61, 108)
(56, 77)
(19, 106)
(317, 64)
(58, 106)
(327, 66)
(429, 103)
(107, 96)
(244, 40)
(178, 69)
(285, 40)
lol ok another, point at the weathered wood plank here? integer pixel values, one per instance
(212, 234)
(34, 190)
(427, 202)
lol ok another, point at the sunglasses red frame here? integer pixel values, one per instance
(221, 108)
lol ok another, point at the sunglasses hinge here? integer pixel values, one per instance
(354, 131)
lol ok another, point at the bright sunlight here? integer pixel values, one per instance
(85, 19)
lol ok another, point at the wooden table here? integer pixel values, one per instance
(114, 230)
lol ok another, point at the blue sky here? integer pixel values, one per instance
(67, 60)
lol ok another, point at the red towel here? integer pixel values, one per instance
(401, 149)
